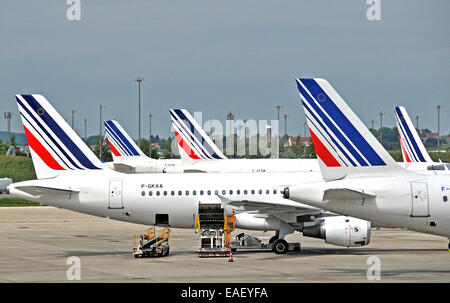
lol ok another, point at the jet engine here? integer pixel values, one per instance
(341, 231)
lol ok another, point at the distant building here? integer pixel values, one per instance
(306, 141)
(427, 136)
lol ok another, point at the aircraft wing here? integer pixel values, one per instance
(287, 210)
(35, 190)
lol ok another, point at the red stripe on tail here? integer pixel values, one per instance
(322, 152)
(403, 148)
(114, 150)
(186, 147)
(41, 151)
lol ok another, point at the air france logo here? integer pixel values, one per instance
(321, 97)
(40, 111)
(356, 229)
(152, 185)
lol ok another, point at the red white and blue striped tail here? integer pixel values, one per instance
(120, 142)
(193, 142)
(54, 145)
(413, 149)
(343, 144)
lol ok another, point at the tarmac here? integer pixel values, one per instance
(36, 242)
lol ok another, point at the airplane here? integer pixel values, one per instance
(359, 176)
(195, 145)
(70, 176)
(198, 153)
(415, 155)
(128, 157)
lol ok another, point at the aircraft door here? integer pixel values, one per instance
(420, 207)
(115, 194)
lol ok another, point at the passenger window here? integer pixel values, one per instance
(201, 193)
(209, 192)
(445, 198)
(143, 193)
(180, 193)
(267, 192)
(216, 192)
(223, 192)
(157, 193)
(260, 192)
(238, 192)
(172, 193)
(150, 193)
(274, 191)
(165, 193)
(194, 192)
(187, 193)
(231, 192)
(245, 192)
(253, 191)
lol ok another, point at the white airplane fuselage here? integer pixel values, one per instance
(148, 165)
(418, 202)
(126, 197)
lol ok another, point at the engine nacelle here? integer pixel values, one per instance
(341, 231)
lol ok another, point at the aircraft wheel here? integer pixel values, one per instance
(271, 240)
(280, 246)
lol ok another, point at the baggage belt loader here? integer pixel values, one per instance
(151, 243)
(215, 228)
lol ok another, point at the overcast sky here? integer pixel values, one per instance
(219, 56)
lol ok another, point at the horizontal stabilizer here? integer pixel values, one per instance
(41, 190)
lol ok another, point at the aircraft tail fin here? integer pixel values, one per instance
(54, 146)
(120, 142)
(412, 147)
(193, 142)
(343, 144)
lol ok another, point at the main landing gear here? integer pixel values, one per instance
(281, 246)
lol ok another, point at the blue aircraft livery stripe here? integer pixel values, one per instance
(116, 142)
(329, 135)
(410, 136)
(129, 146)
(332, 128)
(344, 124)
(40, 126)
(407, 145)
(43, 138)
(57, 130)
(204, 146)
(198, 148)
(124, 146)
